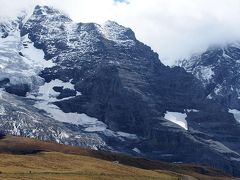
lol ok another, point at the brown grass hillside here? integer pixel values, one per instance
(23, 158)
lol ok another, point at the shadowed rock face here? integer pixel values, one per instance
(123, 84)
(18, 89)
(218, 69)
(122, 81)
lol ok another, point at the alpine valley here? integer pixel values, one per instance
(97, 86)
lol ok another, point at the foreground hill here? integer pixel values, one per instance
(27, 158)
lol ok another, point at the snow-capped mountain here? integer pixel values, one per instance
(96, 83)
(219, 70)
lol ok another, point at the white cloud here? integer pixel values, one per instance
(173, 28)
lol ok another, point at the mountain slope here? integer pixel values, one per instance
(218, 69)
(84, 164)
(19, 117)
(100, 81)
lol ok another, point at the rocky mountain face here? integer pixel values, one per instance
(86, 82)
(218, 69)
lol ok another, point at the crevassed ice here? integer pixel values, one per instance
(20, 61)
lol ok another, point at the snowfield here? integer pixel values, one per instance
(236, 114)
(20, 60)
(44, 101)
(177, 118)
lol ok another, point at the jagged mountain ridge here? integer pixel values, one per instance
(100, 79)
(220, 64)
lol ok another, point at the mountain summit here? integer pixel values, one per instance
(98, 84)
(218, 69)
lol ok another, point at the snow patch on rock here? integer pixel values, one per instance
(191, 110)
(47, 96)
(177, 118)
(236, 114)
(205, 73)
(127, 135)
(2, 111)
(116, 33)
(136, 150)
(47, 93)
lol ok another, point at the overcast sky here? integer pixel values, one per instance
(173, 28)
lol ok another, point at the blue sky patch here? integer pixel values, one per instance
(121, 1)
